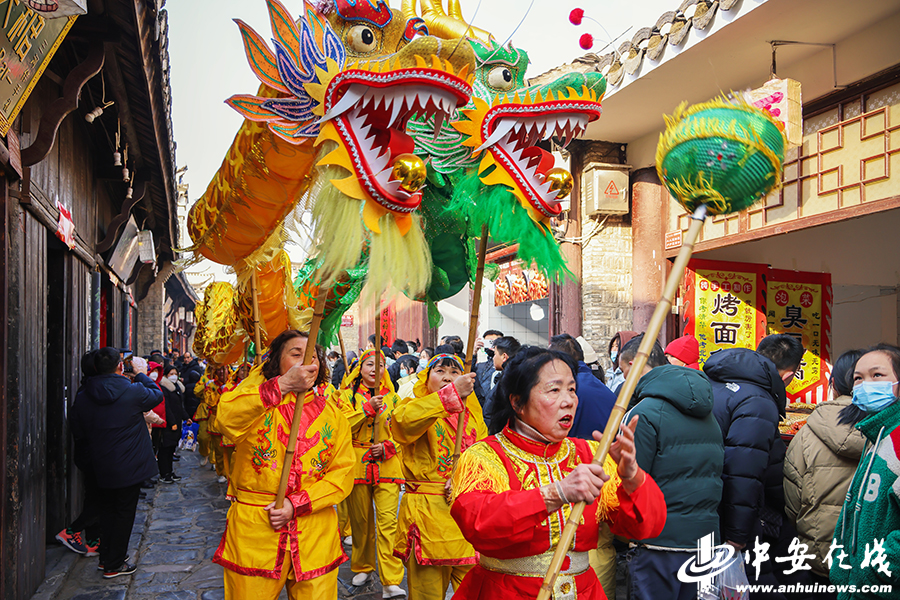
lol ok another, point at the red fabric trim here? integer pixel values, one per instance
(368, 409)
(299, 574)
(450, 399)
(301, 503)
(413, 540)
(215, 433)
(523, 443)
(270, 393)
(390, 450)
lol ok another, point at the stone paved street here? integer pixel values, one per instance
(176, 532)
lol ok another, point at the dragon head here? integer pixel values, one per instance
(353, 72)
(506, 120)
(498, 132)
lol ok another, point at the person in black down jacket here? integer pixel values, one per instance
(749, 400)
(108, 414)
(679, 443)
(191, 373)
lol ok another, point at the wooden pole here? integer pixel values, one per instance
(621, 406)
(256, 336)
(377, 389)
(343, 352)
(298, 404)
(473, 333)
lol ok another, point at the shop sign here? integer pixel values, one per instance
(799, 304)
(723, 300)
(735, 305)
(28, 41)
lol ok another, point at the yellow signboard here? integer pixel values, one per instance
(27, 43)
(799, 304)
(723, 305)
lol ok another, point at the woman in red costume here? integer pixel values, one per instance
(515, 489)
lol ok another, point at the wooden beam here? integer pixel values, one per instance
(112, 232)
(61, 107)
(153, 78)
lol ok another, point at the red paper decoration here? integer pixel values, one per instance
(576, 16)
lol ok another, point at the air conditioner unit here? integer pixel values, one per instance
(604, 188)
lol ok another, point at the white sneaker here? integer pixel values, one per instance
(393, 591)
(348, 541)
(222, 479)
(359, 579)
(204, 462)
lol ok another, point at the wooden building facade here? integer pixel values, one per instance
(63, 299)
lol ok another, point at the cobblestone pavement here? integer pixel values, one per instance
(176, 532)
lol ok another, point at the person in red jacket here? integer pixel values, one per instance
(514, 491)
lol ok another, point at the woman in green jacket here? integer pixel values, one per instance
(866, 550)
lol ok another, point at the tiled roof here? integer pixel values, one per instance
(671, 28)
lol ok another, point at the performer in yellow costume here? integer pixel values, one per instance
(263, 548)
(201, 416)
(215, 379)
(425, 427)
(369, 407)
(234, 380)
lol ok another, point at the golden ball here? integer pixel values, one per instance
(561, 182)
(410, 171)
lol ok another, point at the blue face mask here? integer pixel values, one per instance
(613, 355)
(873, 396)
(423, 363)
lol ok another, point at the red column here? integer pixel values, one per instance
(648, 218)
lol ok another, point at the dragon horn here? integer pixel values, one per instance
(449, 26)
(408, 10)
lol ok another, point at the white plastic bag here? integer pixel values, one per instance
(733, 582)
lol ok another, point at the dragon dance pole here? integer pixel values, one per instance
(318, 313)
(377, 389)
(256, 337)
(621, 406)
(473, 333)
(343, 352)
(732, 182)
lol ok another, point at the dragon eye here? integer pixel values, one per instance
(500, 78)
(361, 39)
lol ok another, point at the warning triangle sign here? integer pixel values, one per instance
(611, 190)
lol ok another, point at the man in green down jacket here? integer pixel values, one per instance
(679, 443)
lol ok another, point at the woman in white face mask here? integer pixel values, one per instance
(870, 517)
(173, 391)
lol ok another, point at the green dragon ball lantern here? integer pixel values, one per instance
(726, 155)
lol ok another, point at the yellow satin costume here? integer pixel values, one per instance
(375, 480)
(428, 540)
(304, 554)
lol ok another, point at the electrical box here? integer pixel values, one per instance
(604, 188)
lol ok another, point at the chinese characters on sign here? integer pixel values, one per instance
(27, 43)
(799, 304)
(735, 305)
(722, 300)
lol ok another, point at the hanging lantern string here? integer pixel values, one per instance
(586, 41)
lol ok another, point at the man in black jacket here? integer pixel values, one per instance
(108, 419)
(749, 400)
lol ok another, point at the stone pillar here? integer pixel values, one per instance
(151, 332)
(650, 268)
(606, 265)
